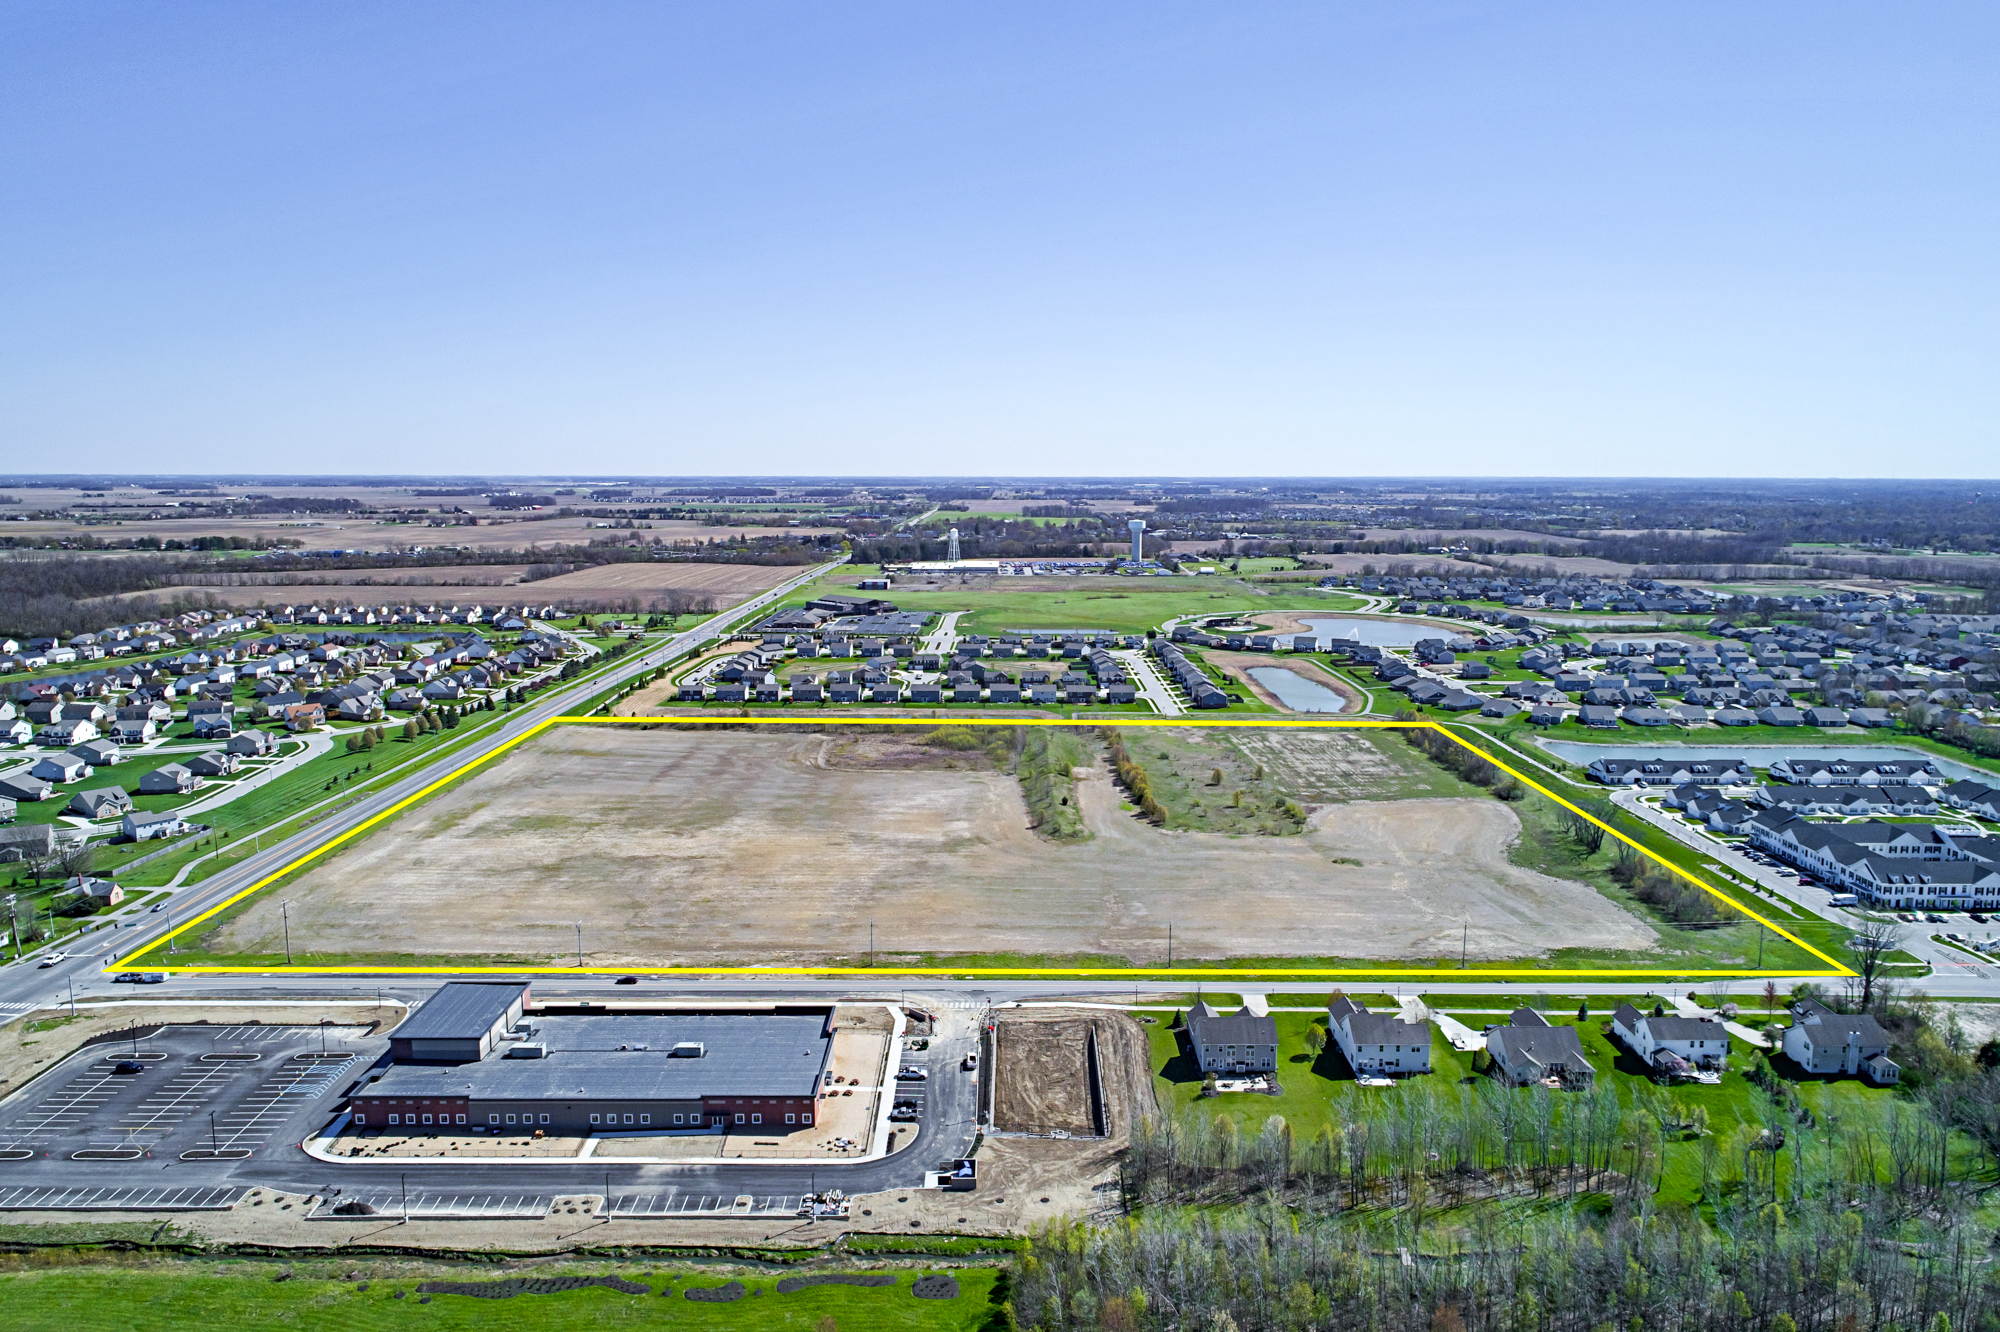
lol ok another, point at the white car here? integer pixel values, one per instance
(51, 960)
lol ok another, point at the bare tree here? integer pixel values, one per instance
(1872, 944)
(74, 859)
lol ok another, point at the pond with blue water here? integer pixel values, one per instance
(1296, 692)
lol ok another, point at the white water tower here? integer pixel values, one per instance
(1138, 526)
(951, 549)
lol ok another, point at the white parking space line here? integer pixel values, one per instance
(44, 1197)
(674, 1203)
(460, 1205)
(252, 1120)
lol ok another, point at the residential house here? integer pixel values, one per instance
(215, 763)
(1529, 1050)
(141, 826)
(1974, 797)
(99, 892)
(22, 786)
(27, 841)
(1822, 1041)
(168, 779)
(98, 753)
(100, 802)
(133, 730)
(1239, 1042)
(1660, 1038)
(65, 733)
(60, 768)
(252, 743)
(304, 716)
(1379, 1043)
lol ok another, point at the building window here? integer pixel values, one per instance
(360, 1118)
(756, 1119)
(492, 1118)
(788, 1119)
(545, 1119)
(806, 1118)
(510, 1119)
(593, 1119)
(461, 1119)
(394, 1120)
(645, 1119)
(628, 1119)
(427, 1119)
(739, 1116)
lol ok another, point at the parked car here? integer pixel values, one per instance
(128, 1066)
(972, 1060)
(912, 1074)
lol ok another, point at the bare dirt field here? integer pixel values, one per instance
(1043, 1081)
(726, 582)
(680, 848)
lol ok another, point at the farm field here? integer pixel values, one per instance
(677, 848)
(499, 584)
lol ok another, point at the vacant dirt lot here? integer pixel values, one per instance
(745, 847)
(1043, 1077)
(728, 583)
(501, 583)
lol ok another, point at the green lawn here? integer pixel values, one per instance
(1309, 1083)
(1321, 1090)
(1129, 606)
(162, 1296)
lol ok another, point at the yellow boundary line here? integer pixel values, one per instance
(130, 961)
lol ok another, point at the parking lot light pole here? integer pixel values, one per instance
(285, 910)
(214, 1142)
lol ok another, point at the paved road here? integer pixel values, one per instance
(1152, 685)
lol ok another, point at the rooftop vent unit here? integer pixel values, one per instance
(687, 1050)
(527, 1051)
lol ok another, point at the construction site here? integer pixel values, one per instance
(672, 847)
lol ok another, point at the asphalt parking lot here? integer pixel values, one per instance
(197, 1093)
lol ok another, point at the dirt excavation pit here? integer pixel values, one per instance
(704, 848)
(1043, 1074)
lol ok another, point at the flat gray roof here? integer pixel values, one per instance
(462, 1010)
(745, 1055)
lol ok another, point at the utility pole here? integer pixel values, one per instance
(14, 925)
(72, 996)
(579, 945)
(171, 948)
(1464, 942)
(285, 910)
(1170, 945)
(406, 1195)
(871, 945)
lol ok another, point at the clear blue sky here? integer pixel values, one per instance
(1079, 238)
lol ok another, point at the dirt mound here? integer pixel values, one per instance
(509, 1287)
